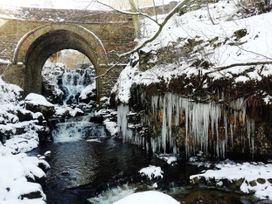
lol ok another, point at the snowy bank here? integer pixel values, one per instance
(200, 48)
(19, 173)
(18, 176)
(249, 177)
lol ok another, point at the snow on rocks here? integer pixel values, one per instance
(38, 100)
(38, 103)
(152, 172)
(66, 111)
(111, 127)
(16, 175)
(88, 93)
(148, 197)
(9, 93)
(248, 177)
(169, 159)
(19, 134)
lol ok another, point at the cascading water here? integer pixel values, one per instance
(73, 82)
(208, 126)
(79, 128)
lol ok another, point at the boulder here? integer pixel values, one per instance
(38, 103)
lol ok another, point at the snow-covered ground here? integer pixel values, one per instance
(232, 39)
(254, 177)
(19, 172)
(147, 197)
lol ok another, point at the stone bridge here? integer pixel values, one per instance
(28, 37)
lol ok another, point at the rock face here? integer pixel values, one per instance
(38, 103)
(173, 123)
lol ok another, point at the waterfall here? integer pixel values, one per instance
(79, 128)
(73, 83)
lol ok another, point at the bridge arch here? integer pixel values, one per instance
(35, 47)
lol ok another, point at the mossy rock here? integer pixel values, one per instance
(240, 33)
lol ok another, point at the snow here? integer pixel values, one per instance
(88, 90)
(9, 93)
(23, 143)
(248, 172)
(62, 111)
(152, 172)
(218, 45)
(13, 177)
(170, 159)
(16, 166)
(111, 126)
(4, 61)
(147, 197)
(38, 100)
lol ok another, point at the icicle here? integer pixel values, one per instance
(231, 135)
(122, 112)
(202, 125)
(164, 126)
(154, 103)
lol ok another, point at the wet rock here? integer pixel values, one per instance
(52, 92)
(240, 33)
(32, 195)
(24, 115)
(253, 183)
(261, 180)
(65, 173)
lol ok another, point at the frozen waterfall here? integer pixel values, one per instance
(207, 127)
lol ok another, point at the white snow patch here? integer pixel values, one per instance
(170, 159)
(111, 126)
(152, 172)
(88, 90)
(4, 61)
(147, 197)
(36, 99)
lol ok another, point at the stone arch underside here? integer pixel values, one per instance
(38, 45)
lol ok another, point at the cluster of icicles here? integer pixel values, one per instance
(202, 123)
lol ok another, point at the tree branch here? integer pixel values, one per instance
(221, 68)
(130, 13)
(161, 26)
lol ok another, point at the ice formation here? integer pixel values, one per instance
(202, 122)
(209, 127)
